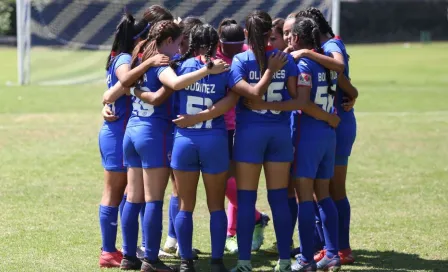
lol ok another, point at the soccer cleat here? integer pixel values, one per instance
(231, 244)
(320, 255)
(154, 266)
(165, 255)
(327, 264)
(140, 252)
(242, 266)
(195, 253)
(110, 259)
(300, 265)
(346, 256)
(217, 265)
(170, 245)
(295, 252)
(283, 266)
(187, 266)
(258, 235)
(130, 263)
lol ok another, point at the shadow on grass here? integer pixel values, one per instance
(394, 261)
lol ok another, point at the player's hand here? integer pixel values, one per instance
(288, 50)
(299, 53)
(108, 114)
(258, 104)
(277, 61)
(348, 103)
(127, 91)
(159, 60)
(219, 66)
(184, 121)
(334, 121)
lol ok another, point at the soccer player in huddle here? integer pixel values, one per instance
(117, 109)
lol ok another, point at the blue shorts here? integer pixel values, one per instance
(258, 144)
(345, 136)
(314, 157)
(205, 150)
(111, 149)
(148, 145)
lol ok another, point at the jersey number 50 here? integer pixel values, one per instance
(197, 104)
(272, 95)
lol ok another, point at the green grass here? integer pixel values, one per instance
(51, 176)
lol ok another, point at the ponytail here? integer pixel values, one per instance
(258, 25)
(124, 38)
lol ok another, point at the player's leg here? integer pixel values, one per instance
(155, 152)
(278, 158)
(114, 184)
(185, 164)
(248, 151)
(171, 239)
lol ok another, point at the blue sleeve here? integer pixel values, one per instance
(331, 47)
(237, 72)
(122, 59)
(160, 69)
(291, 67)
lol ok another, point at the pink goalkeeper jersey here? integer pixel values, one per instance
(229, 117)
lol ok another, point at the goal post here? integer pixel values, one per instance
(23, 20)
(336, 16)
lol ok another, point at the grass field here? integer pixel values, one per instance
(51, 176)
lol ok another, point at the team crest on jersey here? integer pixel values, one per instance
(304, 79)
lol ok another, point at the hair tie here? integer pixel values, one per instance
(113, 54)
(143, 31)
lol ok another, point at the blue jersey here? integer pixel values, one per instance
(122, 106)
(202, 94)
(312, 74)
(245, 66)
(143, 112)
(336, 45)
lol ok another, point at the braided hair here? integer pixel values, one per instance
(126, 33)
(318, 17)
(309, 35)
(258, 25)
(201, 37)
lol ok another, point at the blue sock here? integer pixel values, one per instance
(292, 203)
(184, 229)
(245, 222)
(218, 232)
(142, 220)
(153, 229)
(123, 201)
(329, 216)
(343, 207)
(319, 238)
(278, 200)
(108, 223)
(172, 213)
(307, 224)
(129, 227)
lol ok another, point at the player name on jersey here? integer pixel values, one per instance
(255, 75)
(201, 87)
(323, 76)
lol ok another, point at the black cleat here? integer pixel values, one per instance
(217, 265)
(130, 263)
(154, 266)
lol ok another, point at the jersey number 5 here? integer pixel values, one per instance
(272, 95)
(323, 99)
(197, 104)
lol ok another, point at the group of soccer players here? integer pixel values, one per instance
(185, 98)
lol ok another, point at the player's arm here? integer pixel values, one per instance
(345, 84)
(169, 78)
(111, 95)
(333, 62)
(275, 63)
(129, 77)
(153, 98)
(218, 109)
(314, 110)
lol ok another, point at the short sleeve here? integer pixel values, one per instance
(236, 72)
(305, 74)
(332, 46)
(122, 59)
(160, 69)
(291, 67)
